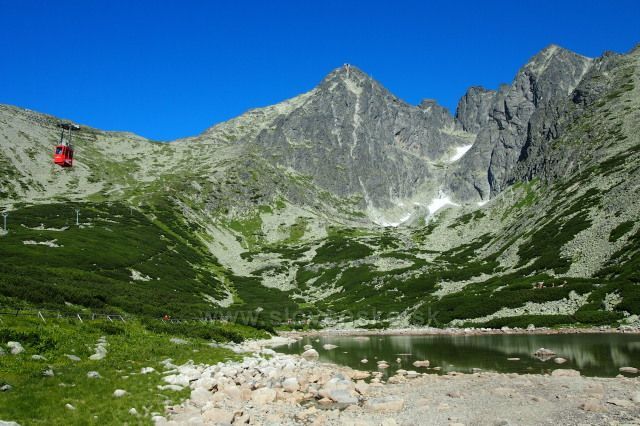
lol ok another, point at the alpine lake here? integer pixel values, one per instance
(593, 354)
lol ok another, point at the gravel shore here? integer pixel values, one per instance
(268, 388)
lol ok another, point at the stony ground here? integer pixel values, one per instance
(267, 388)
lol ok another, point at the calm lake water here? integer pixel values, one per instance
(591, 354)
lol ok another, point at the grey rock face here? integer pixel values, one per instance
(355, 138)
(474, 108)
(548, 78)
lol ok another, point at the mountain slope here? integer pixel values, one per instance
(523, 208)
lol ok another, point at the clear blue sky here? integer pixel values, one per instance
(167, 69)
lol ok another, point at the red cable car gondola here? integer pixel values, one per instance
(63, 156)
(63, 153)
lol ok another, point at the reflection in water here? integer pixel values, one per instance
(592, 354)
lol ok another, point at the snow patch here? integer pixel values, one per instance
(460, 152)
(440, 202)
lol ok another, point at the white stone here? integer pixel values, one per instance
(565, 372)
(559, 360)
(628, 370)
(174, 388)
(147, 370)
(310, 354)
(424, 363)
(74, 358)
(218, 416)
(119, 393)
(329, 346)
(290, 384)
(93, 375)
(69, 407)
(15, 348)
(388, 403)
(263, 396)
(133, 411)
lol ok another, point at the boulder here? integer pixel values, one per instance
(422, 364)
(38, 358)
(565, 372)
(387, 403)
(361, 387)
(119, 393)
(6, 388)
(263, 396)
(628, 370)
(593, 405)
(15, 348)
(147, 370)
(412, 374)
(342, 396)
(93, 375)
(290, 384)
(329, 346)
(218, 416)
(133, 411)
(200, 396)
(364, 360)
(74, 358)
(513, 359)
(310, 354)
(48, 373)
(69, 407)
(307, 347)
(544, 354)
(178, 341)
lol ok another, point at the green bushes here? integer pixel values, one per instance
(620, 230)
(216, 331)
(524, 320)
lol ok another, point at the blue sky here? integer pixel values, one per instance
(169, 69)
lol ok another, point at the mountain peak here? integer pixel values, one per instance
(554, 53)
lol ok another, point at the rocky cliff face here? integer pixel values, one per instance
(546, 80)
(354, 138)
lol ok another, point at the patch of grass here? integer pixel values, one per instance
(36, 399)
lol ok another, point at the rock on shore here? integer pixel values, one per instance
(291, 390)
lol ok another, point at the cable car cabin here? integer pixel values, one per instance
(63, 156)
